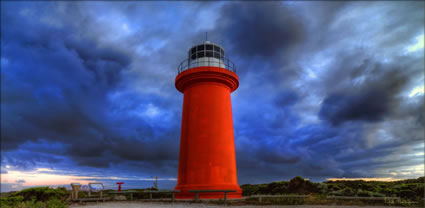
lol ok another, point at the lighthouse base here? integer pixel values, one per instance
(185, 194)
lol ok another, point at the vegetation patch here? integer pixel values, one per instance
(408, 192)
(39, 197)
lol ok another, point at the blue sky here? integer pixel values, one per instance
(327, 89)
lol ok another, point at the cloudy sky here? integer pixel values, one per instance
(327, 89)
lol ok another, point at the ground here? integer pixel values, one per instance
(193, 205)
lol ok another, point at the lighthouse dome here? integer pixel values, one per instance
(206, 49)
(206, 54)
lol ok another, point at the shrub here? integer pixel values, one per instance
(300, 186)
(347, 192)
(263, 189)
(335, 193)
(10, 201)
(407, 194)
(296, 184)
(278, 187)
(248, 189)
(55, 203)
(374, 194)
(322, 188)
(42, 194)
(39, 197)
(33, 204)
(362, 193)
(343, 192)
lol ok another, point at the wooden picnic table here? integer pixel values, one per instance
(211, 191)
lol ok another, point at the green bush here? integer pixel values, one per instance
(10, 201)
(296, 184)
(322, 188)
(278, 187)
(343, 192)
(55, 203)
(263, 189)
(42, 194)
(300, 186)
(33, 204)
(362, 193)
(374, 194)
(248, 189)
(347, 192)
(39, 197)
(407, 194)
(419, 190)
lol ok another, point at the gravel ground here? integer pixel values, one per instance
(190, 205)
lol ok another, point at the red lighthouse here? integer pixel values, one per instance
(207, 149)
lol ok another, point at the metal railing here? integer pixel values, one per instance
(207, 61)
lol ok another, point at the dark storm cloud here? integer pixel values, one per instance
(260, 29)
(61, 95)
(105, 63)
(372, 98)
(357, 87)
(367, 106)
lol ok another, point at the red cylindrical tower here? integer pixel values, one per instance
(207, 150)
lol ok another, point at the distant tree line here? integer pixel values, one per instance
(411, 189)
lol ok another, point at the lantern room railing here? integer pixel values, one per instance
(207, 61)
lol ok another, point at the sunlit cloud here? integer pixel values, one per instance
(41, 177)
(50, 177)
(419, 90)
(151, 110)
(418, 45)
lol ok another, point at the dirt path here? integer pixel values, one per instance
(191, 205)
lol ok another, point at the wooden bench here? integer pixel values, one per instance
(172, 192)
(126, 192)
(260, 197)
(211, 191)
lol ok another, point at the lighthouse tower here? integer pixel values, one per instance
(207, 148)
